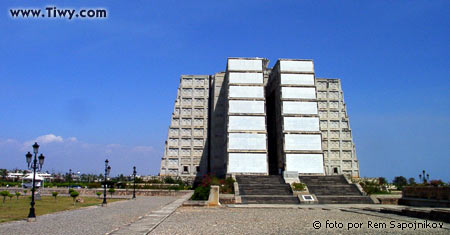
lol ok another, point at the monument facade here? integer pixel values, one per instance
(252, 119)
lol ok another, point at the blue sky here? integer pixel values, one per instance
(95, 89)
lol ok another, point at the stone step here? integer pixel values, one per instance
(334, 190)
(344, 200)
(269, 200)
(265, 190)
(250, 181)
(262, 192)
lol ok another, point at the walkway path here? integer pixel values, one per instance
(149, 222)
(90, 220)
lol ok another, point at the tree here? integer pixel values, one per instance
(98, 194)
(25, 192)
(382, 180)
(111, 191)
(55, 194)
(411, 181)
(3, 173)
(10, 196)
(4, 194)
(169, 180)
(17, 195)
(74, 195)
(400, 182)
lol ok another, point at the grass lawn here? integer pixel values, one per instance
(14, 209)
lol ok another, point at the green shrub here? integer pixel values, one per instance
(94, 185)
(176, 187)
(10, 196)
(55, 194)
(169, 180)
(25, 191)
(71, 190)
(152, 181)
(111, 191)
(298, 186)
(74, 194)
(4, 194)
(225, 185)
(373, 188)
(201, 193)
(17, 195)
(98, 194)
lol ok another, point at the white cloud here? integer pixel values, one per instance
(50, 138)
(67, 152)
(43, 139)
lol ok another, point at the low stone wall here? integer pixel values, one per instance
(427, 192)
(92, 192)
(427, 196)
(388, 199)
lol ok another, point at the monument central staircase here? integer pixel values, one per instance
(334, 189)
(272, 189)
(267, 189)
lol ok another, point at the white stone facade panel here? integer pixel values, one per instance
(301, 124)
(245, 78)
(302, 142)
(294, 107)
(252, 123)
(298, 93)
(244, 141)
(297, 79)
(305, 163)
(247, 163)
(244, 65)
(246, 92)
(244, 106)
(296, 66)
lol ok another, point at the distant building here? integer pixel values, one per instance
(252, 119)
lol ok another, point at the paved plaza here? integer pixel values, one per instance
(163, 215)
(195, 220)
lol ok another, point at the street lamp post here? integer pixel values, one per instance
(33, 165)
(424, 177)
(107, 170)
(70, 177)
(134, 182)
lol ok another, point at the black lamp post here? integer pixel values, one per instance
(33, 165)
(70, 177)
(424, 177)
(107, 170)
(134, 182)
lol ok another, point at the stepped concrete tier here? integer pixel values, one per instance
(186, 148)
(269, 189)
(255, 120)
(337, 141)
(334, 190)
